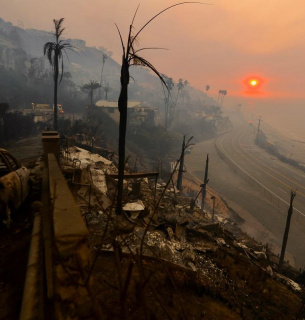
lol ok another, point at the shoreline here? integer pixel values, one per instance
(286, 147)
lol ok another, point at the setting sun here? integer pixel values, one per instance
(253, 85)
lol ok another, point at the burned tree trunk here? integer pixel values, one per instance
(56, 73)
(122, 130)
(180, 172)
(131, 57)
(285, 238)
(205, 182)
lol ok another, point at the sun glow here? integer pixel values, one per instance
(254, 85)
(253, 82)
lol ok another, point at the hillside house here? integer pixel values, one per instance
(137, 112)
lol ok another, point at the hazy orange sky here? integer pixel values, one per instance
(221, 44)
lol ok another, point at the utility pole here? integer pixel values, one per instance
(285, 238)
(213, 212)
(205, 182)
(259, 123)
(180, 171)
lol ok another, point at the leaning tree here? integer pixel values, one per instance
(54, 52)
(131, 57)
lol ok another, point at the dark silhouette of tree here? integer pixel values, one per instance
(170, 85)
(219, 95)
(181, 165)
(67, 82)
(131, 57)
(104, 58)
(185, 97)
(207, 88)
(224, 93)
(90, 87)
(36, 69)
(184, 93)
(107, 89)
(180, 86)
(54, 52)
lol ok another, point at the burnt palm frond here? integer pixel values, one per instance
(48, 49)
(134, 16)
(122, 42)
(67, 45)
(52, 49)
(152, 48)
(90, 87)
(137, 60)
(155, 16)
(58, 28)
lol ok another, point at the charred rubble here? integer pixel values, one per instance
(166, 258)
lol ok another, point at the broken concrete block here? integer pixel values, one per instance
(260, 255)
(134, 208)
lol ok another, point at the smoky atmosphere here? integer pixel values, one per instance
(152, 159)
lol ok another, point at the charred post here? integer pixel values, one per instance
(286, 233)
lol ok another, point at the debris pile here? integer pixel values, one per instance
(164, 255)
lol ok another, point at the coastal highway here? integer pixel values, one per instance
(273, 177)
(257, 186)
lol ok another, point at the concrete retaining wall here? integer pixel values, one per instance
(69, 227)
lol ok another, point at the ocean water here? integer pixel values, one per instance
(284, 126)
(287, 118)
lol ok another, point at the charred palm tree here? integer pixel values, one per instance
(180, 86)
(219, 97)
(131, 57)
(107, 89)
(224, 93)
(90, 87)
(169, 85)
(105, 57)
(207, 88)
(54, 52)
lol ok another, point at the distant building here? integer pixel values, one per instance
(137, 113)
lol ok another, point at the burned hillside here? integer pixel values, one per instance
(166, 258)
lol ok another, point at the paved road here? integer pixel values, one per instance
(25, 148)
(257, 186)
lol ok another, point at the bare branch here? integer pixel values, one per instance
(154, 17)
(136, 51)
(122, 43)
